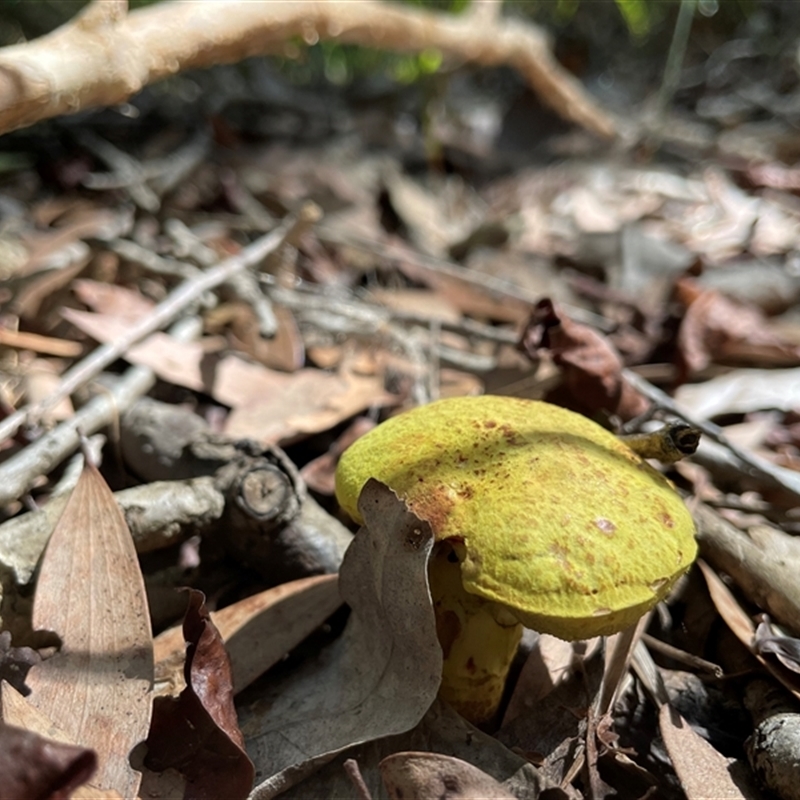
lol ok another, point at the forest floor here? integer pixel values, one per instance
(220, 286)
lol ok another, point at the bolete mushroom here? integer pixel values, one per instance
(542, 519)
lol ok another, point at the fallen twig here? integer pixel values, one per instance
(166, 311)
(772, 475)
(18, 474)
(114, 54)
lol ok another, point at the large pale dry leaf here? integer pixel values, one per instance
(381, 676)
(431, 776)
(704, 773)
(97, 688)
(258, 631)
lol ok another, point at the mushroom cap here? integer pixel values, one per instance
(551, 515)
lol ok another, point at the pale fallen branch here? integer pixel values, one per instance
(105, 54)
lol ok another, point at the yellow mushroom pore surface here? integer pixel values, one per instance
(552, 515)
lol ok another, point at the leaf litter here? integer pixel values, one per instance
(551, 276)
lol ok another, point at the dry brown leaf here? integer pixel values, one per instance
(742, 626)
(258, 631)
(551, 661)
(97, 688)
(198, 733)
(267, 405)
(32, 767)
(285, 351)
(319, 473)
(785, 648)
(704, 773)
(592, 367)
(279, 407)
(120, 302)
(717, 329)
(774, 175)
(40, 379)
(470, 299)
(431, 776)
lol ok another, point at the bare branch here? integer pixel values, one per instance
(104, 55)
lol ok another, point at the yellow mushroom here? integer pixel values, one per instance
(542, 519)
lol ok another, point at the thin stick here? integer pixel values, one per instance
(356, 778)
(164, 313)
(676, 654)
(38, 458)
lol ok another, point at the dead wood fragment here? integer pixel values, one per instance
(112, 54)
(248, 497)
(158, 514)
(775, 743)
(268, 521)
(764, 575)
(752, 465)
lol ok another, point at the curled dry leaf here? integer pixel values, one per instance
(383, 673)
(785, 648)
(198, 733)
(718, 329)
(34, 767)
(431, 776)
(593, 378)
(258, 631)
(97, 688)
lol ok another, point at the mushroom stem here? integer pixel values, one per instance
(479, 640)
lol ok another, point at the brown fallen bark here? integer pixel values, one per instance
(105, 55)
